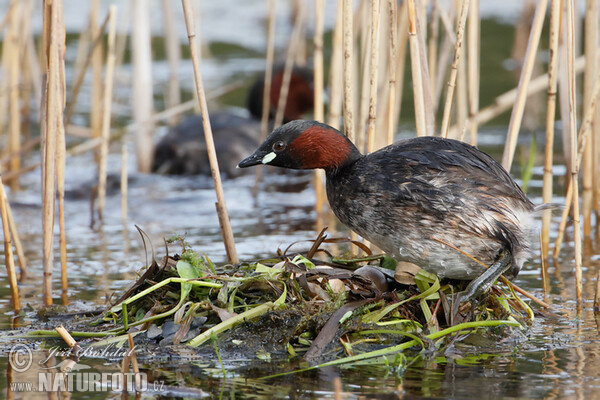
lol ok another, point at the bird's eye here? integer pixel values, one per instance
(279, 146)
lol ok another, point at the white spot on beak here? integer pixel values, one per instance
(269, 157)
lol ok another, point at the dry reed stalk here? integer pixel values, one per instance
(319, 113)
(555, 14)
(5, 64)
(142, 85)
(393, 30)
(173, 56)
(364, 55)
(8, 254)
(124, 182)
(106, 110)
(348, 109)
(432, 44)
(462, 107)
(448, 44)
(14, 233)
(60, 158)
(293, 46)
(473, 72)
(506, 100)
(462, 19)
(544, 271)
(134, 363)
(32, 82)
(373, 67)
(519, 107)
(60, 194)
(597, 294)
(168, 113)
(55, 43)
(97, 61)
(97, 42)
(14, 54)
(226, 230)
(428, 108)
(335, 78)
(584, 131)
(337, 388)
(8, 15)
(66, 336)
(401, 58)
(417, 77)
(591, 52)
(574, 162)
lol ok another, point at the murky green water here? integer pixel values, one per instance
(558, 357)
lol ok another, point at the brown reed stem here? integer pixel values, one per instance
(8, 254)
(462, 19)
(373, 67)
(597, 294)
(393, 29)
(417, 77)
(432, 43)
(584, 131)
(142, 85)
(364, 53)
(14, 54)
(14, 233)
(226, 230)
(97, 61)
(473, 72)
(401, 58)
(555, 14)
(60, 189)
(348, 67)
(68, 338)
(574, 155)
(53, 44)
(591, 52)
(519, 107)
(506, 100)
(428, 107)
(445, 51)
(106, 110)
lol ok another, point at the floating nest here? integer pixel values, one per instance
(309, 306)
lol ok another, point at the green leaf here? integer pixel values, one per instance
(186, 271)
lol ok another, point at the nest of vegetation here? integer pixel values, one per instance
(309, 306)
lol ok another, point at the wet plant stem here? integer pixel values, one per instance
(221, 205)
(8, 254)
(550, 120)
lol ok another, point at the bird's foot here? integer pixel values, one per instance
(482, 283)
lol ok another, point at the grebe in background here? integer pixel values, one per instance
(182, 151)
(416, 199)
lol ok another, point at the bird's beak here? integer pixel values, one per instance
(254, 159)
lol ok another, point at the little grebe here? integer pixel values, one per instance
(182, 151)
(416, 199)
